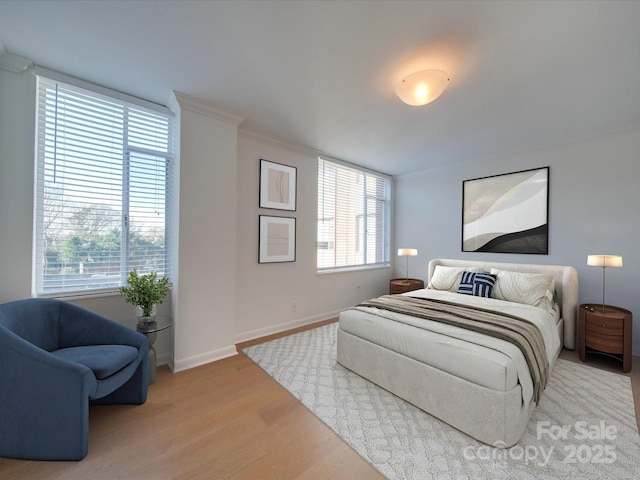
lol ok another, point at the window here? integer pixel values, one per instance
(354, 207)
(103, 178)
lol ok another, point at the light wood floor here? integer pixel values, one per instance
(224, 420)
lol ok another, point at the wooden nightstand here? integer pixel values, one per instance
(402, 285)
(607, 332)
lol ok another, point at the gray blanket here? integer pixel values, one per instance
(519, 331)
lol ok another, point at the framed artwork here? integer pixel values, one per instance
(507, 213)
(277, 239)
(277, 186)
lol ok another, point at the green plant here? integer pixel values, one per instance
(145, 290)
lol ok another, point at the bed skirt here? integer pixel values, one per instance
(492, 417)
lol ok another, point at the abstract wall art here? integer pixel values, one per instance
(277, 186)
(507, 213)
(277, 239)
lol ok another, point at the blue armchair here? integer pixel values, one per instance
(55, 359)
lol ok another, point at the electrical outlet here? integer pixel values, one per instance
(294, 307)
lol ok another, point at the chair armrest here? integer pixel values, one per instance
(40, 394)
(49, 377)
(79, 326)
(27, 360)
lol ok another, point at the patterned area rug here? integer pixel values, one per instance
(583, 428)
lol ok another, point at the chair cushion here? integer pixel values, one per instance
(104, 360)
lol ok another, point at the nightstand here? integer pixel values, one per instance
(402, 285)
(606, 332)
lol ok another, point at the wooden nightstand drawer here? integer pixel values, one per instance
(608, 326)
(605, 343)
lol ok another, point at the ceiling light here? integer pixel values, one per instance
(422, 87)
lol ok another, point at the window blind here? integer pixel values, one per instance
(354, 207)
(103, 190)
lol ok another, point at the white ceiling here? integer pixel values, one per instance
(322, 73)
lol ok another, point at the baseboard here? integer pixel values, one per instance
(225, 352)
(204, 358)
(166, 359)
(282, 327)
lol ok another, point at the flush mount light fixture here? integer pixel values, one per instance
(422, 87)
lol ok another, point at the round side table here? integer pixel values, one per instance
(607, 330)
(150, 330)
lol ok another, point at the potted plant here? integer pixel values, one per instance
(145, 292)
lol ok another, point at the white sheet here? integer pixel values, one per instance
(486, 361)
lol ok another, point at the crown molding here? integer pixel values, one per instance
(277, 141)
(13, 63)
(193, 104)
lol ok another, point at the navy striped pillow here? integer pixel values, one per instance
(478, 284)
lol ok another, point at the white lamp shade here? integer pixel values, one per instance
(407, 252)
(422, 87)
(604, 260)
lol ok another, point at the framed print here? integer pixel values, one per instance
(277, 239)
(277, 186)
(507, 213)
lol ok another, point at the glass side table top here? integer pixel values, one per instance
(162, 322)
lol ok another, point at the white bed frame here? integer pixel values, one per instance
(493, 417)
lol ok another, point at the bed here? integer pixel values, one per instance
(481, 385)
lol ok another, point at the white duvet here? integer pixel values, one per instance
(487, 361)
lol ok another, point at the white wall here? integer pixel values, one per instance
(593, 208)
(17, 136)
(204, 298)
(265, 292)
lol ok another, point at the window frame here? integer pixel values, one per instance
(131, 153)
(386, 225)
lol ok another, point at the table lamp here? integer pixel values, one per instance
(407, 252)
(604, 261)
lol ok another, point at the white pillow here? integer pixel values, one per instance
(528, 288)
(448, 278)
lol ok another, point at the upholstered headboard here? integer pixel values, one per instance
(566, 284)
